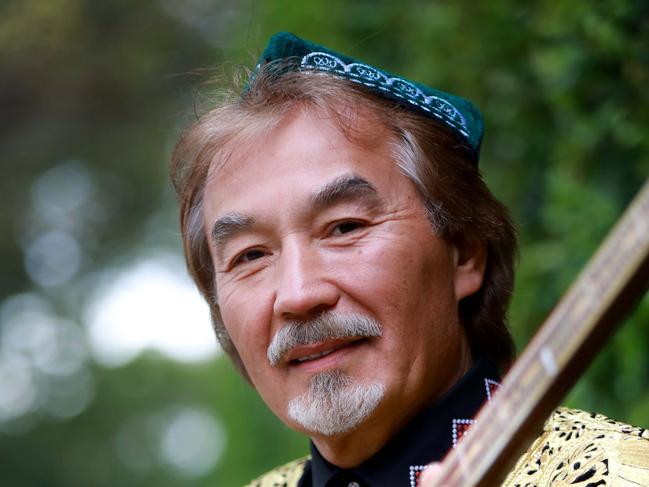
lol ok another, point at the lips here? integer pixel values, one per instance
(317, 355)
(310, 353)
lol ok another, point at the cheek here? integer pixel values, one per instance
(410, 284)
(246, 321)
(397, 271)
(380, 279)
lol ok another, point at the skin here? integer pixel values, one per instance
(369, 252)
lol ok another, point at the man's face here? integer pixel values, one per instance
(307, 223)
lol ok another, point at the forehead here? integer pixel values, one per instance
(304, 150)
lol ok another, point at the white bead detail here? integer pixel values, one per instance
(413, 473)
(487, 383)
(456, 422)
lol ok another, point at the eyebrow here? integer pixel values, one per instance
(227, 227)
(345, 188)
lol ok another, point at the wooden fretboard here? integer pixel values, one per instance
(607, 289)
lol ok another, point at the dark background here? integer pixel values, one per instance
(93, 95)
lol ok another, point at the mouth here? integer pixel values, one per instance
(317, 355)
(322, 354)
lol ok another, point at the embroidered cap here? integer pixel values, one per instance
(456, 113)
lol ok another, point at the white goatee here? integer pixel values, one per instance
(335, 403)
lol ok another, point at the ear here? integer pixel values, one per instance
(470, 263)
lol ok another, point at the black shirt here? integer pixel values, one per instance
(425, 439)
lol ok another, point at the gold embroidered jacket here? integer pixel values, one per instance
(576, 449)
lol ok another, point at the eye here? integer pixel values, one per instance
(248, 256)
(346, 227)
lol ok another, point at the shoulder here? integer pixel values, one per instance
(287, 475)
(578, 448)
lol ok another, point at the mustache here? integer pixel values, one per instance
(326, 326)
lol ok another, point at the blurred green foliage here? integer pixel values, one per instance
(105, 86)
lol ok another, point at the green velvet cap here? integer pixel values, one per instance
(458, 114)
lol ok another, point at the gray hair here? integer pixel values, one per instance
(460, 207)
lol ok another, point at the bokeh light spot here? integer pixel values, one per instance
(150, 305)
(53, 258)
(192, 442)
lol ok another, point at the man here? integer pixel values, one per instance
(357, 268)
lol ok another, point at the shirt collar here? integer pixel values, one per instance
(425, 439)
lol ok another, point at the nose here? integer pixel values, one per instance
(303, 286)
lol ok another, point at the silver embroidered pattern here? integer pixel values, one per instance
(374, 78)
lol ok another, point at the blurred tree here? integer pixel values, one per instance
(93, 95)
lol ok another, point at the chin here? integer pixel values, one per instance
(335, 403)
